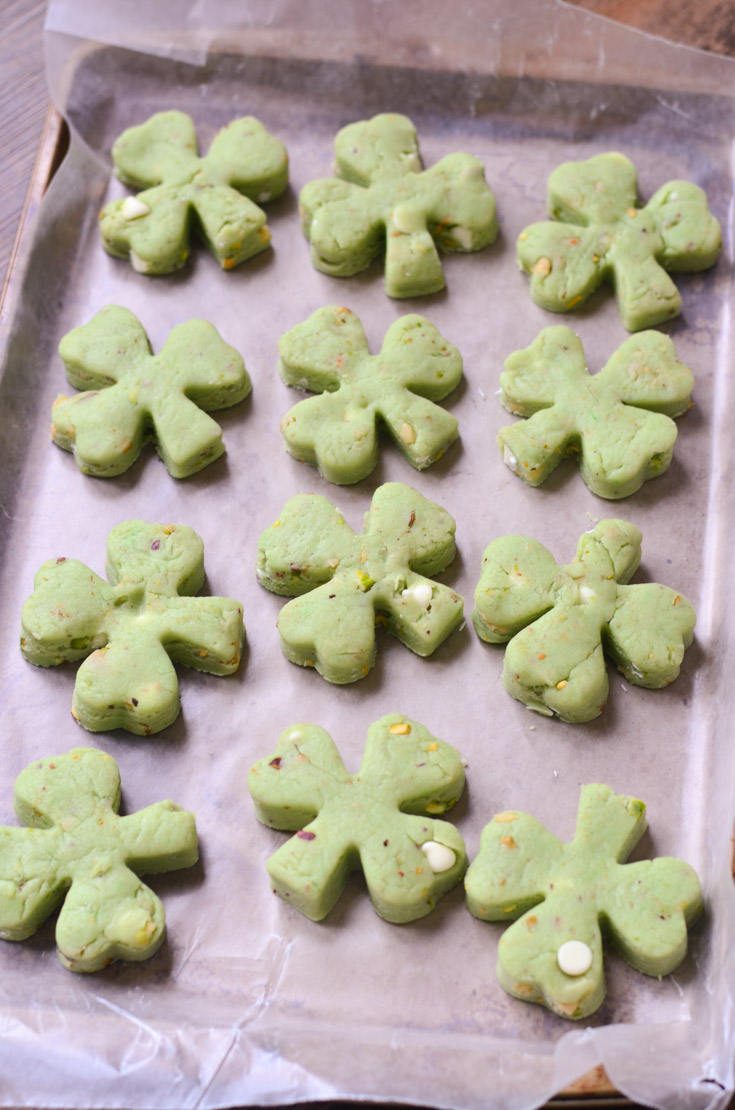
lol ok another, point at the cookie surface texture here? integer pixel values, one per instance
(351, 581)
(78, 853)
(383, 200)
(132, 397)
(132, 630)
(181, 190)
(381, 820)
(559, 619)
(562, 898)
(618, 423)
(602, 234)
(338, 430)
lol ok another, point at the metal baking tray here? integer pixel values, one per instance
(248, 1003)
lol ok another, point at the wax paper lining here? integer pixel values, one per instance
(248, 1003)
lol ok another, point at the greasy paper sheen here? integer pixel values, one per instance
(247, 1002)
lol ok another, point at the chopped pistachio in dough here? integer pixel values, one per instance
(131, 631)
(617, 424)
(132, 397)
(343, 583)
(381, 820)
(212, 194)
(602, 234)
(338, 430)
(383, 201)
(558, 620)
(78, 853)
(566, 897)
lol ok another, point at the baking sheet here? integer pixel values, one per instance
(248, 1002)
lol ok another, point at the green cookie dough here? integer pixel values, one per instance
(131, 632)
(337, 431)
(78, 853)
(618, 422)
(212, 195)
(384, 201)
(133, 397)
(380, 820)
(351, 582)
(606, 236)
(567, 895)
(559, 619)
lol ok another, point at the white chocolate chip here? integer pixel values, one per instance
(133, 209)
(509, 458)
(438, 856)
(586, 594)
(420, 594)
(462, 236)
(407, 433)
(138, 263)
(574, 957)
(408, 220)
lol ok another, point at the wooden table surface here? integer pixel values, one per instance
(24, 100)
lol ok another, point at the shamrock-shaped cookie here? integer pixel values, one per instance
(605, 235)
(133, 397)
(380, 820)
(131, 632)
(565, 896)
(559, 619)
(382, 200)
(337, 431)
(618, 423)
(182, 191)
(78, 853)
(352, 581)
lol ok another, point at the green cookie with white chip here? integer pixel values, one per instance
(131, 630)
(383, 820)
(564, 898)
(344, 583)
(77, 853)
(561, 621)
(602, 234)
(213, 195)
(617, 423)
(382, 200)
